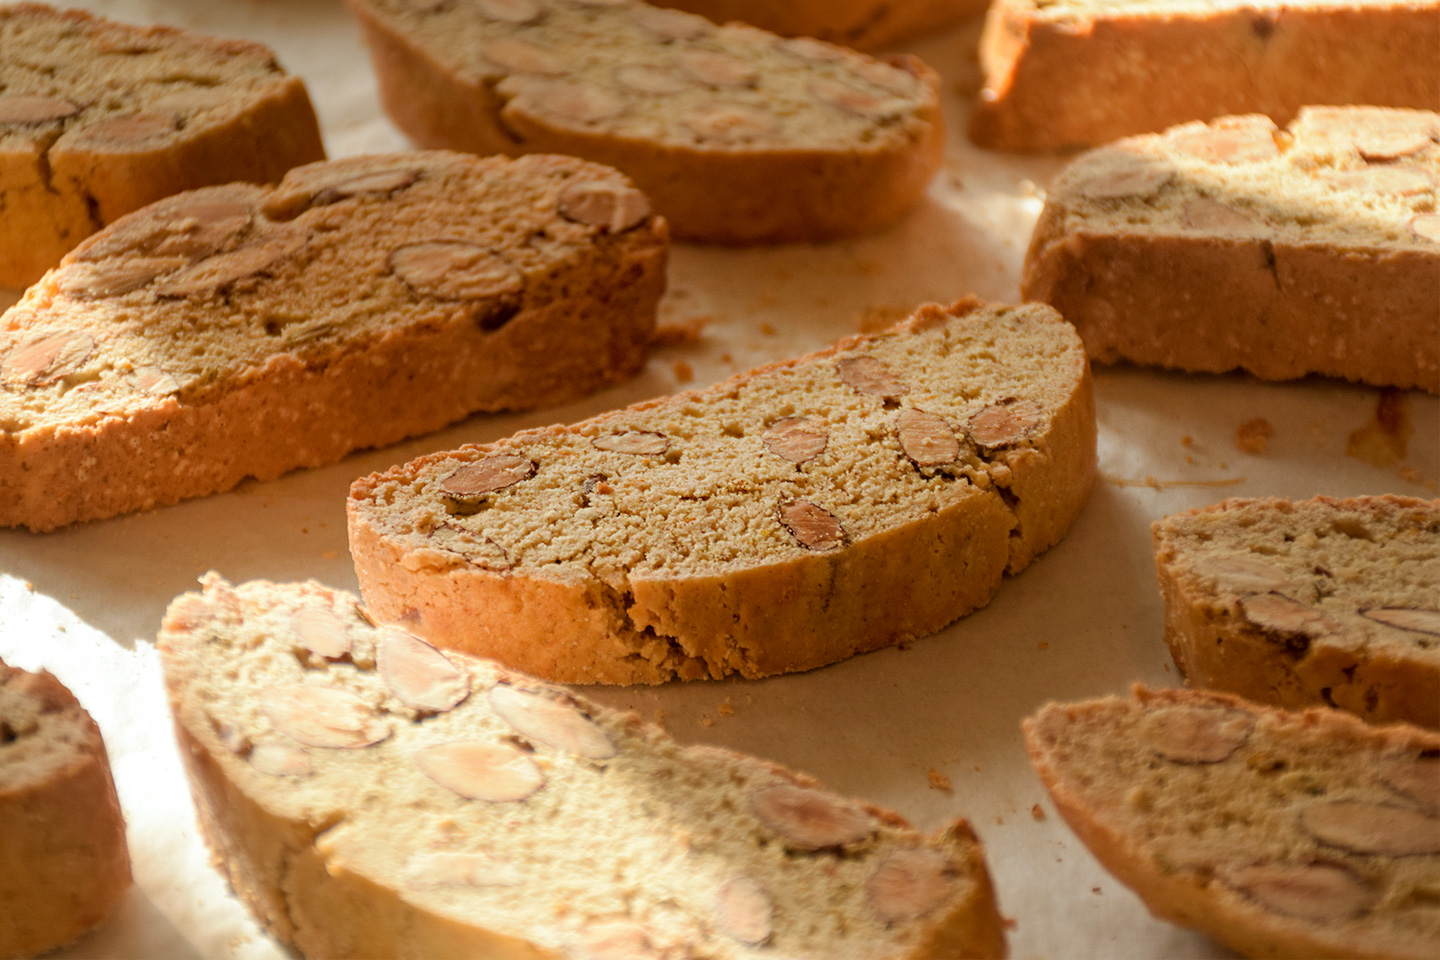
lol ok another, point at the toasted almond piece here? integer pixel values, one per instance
(1319, 892)
(321, 632)
(113, 278)
(188, 227)
(1426, 226)
(1236, 142)
(1203, 213)
(814, 527)
(510, 11)
(1406, 618)
(479, 770)
(1417, 778)
(1243, 574)
(154, 381)
(648, 78)
(1375, 135)
(796, 439)
(617, 940)
(520, 56)
(1006, 422)
(379, 181)
(670, 24)
(425, 871)
(639, 442)
(603, 203)
(864, 374)
(323, 716)
(718, 70)
(808, 48)
(219, 271)
(1132, 175)
(552, 721)
(22, 108)
(454, 270)
(1398, 181)
(281, 760)
(488, 475)
(1382, 828)
(568, 101)
(46, 359)
(927, 439)
(1287, 618)
(419, 675)
(849, 98)
(1194, 734)
(810, 819)
(892, 76)
(907, 884)
(744, 911)
(729, 122)
(124, 133)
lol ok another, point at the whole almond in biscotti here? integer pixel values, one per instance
(792, 516)
(861, 24)
(1300, 603)
(99, 118)
(522, 820)
(735, 134)
(1292, 840)
(243, 330)
(1239, 245)
(64, 865)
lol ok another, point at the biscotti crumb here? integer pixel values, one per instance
(684, 373)
(1253, 436)
(1037, 812)
(725, 710)
(938, 781)
(680, 333)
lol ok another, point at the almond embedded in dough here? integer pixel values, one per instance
(1192, 734)
(552, 720)
(480, 770)
(419, 675)
(810, 819)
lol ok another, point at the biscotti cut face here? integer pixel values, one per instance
(1237, 245)
(861, 24)
(1076, 73)
(370, 796)
(63, 860)
(1308, 603)
(736, 135)
(242, 331)
(1279, 834)
(787, 518)
(100, 118)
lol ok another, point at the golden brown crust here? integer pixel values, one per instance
(861, 24)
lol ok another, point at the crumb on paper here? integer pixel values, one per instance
(767, 330)
(1189, 459)
(726, 358)
(1037, 812)
(1253, 436)
(999, 821)
(681, 333)
(938, 781)
(883, 317)
(1043, 645)
(1385, 440)
(725, 709)
(684, 373)
(31, 587)
(329, 554)
(1187, 441)
(1095, 890)
(707, 721)
(1010, 923)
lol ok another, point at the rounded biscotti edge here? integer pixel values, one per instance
(860, 24)
(64, 864)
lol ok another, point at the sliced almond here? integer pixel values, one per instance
(1288, 619)
(810, 819)
(321, 632)
(1426, 226)
(1250, 140)
(480, 770)
(729, 122)
(154, 381)
(113, 278)
(46, 359)
(510, 11)
(520, 56)
(455, 270)
(425, 871)
(927, 439)
(814, 527)
(1203, 213)
(1394, 181)
(1374, 134)
(617, 940)
(603, 203)
(377, 182)
(851, 99)
(1318, 892)
(281, 760)
(670, 24)
(221, 270)
(893, 77)
(570, 102)
(1242, 574)
(808, 48)
(1415, 777)
(908, 884)
(864, 374)
(744, 911)
(1194, 734)
(797, 439)
(1004, 423)
(1378, 828)
(551, 720)
(323, 716)
(488, 475)
(1406, 618)
(419, 675)
(647, 78)
(21, 108)
(124, 133)
(1130, 175)
(718, 70)
(188, 227)
(639, 442)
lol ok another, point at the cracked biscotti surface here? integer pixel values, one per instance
(1308, 603)
(368, 796)
(1238, 245)
(100, 118)
(63, 860)
(245, 331)
(1075, 73)
(1280, 834)
(861, 24)
(789, 517)
(736, 135)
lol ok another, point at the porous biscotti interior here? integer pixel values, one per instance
(1314, 818)
(507, 804)
(43, 732)
(193, 294)
(631, 70)
(798, 457)
(1346, 176)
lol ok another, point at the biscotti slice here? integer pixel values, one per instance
(1308, 603)
(99, 118)
(63, 860)
(736, 135)
(370, 796)
(242, 331)
(861, 24)
(1076, 73)
(789, 517)
(1237, 245)
(1279, 834)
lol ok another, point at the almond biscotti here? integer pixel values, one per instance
(736, 135)
(861, 24)
(1238, 245)
(100, 118)
(370, 796)
(64, 864)
(1308, 603)
(1076, 73)
(787, 518)
(243, 331)
(1279, 834)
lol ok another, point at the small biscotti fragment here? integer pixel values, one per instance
(1235, 244)
(1279, 834)
(861, 24)
(520, 820)
(787, 518)
(99, 118)
(63, 860)
(1308, 603)
(736, 135)
(242, 331)
(1082, 72)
